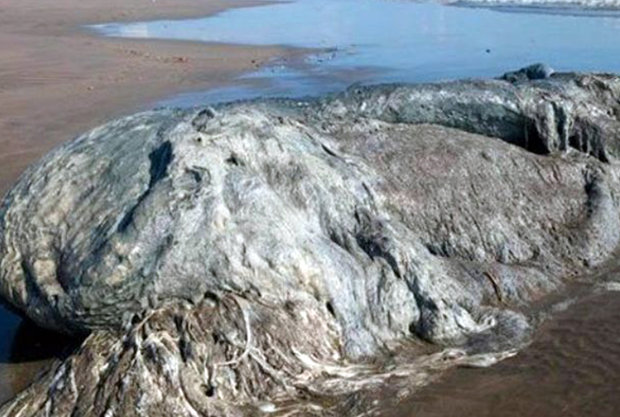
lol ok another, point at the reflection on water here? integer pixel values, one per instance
(571, 369)
(383, 41)
(9, 324)
(25, 351)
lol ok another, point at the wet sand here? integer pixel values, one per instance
(570, 370)
(58, 79)
(25, 352)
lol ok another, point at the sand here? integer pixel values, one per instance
(58, 79)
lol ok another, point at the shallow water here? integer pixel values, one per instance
(571, 369)
(25, 352)
(9, 324)
(373, 41)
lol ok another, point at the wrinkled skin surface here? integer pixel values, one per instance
(243, 258)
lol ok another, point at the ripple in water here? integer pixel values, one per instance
(571, 369)
(373, 41)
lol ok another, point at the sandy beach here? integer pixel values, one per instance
(57, 79)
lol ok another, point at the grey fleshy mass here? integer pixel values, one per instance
(248, 246)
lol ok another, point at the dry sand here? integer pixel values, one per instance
(58, 79)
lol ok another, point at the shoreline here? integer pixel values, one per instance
(60, 79)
